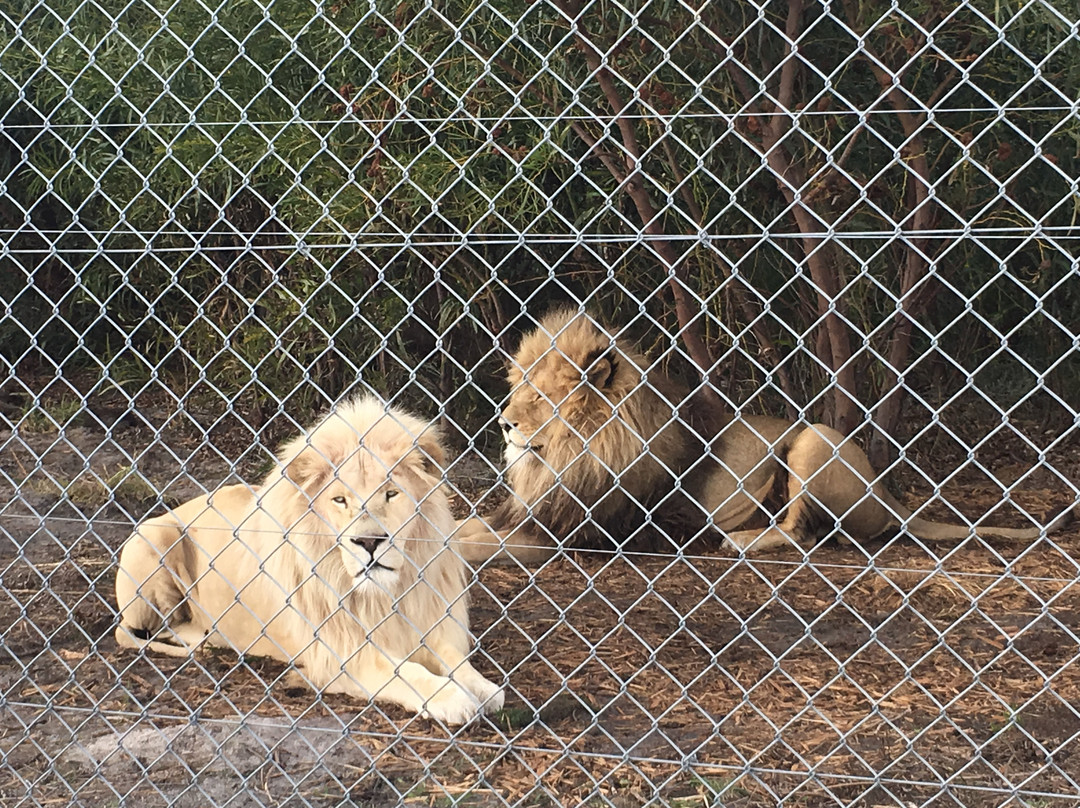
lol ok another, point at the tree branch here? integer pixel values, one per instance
(767, 347)
(924, 217)
(634, 186)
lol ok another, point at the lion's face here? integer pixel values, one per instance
(527, 414)
(567, 381)
(373, 517)
(547, 408)
(374, 491)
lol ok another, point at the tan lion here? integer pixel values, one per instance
(337, 562)
(602, 449)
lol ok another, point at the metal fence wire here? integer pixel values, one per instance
(221, 219)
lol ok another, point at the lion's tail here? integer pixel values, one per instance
(944, 531)
(148, 590)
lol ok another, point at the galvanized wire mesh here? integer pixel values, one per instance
(219, 219)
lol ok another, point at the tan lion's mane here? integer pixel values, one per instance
(616, 442)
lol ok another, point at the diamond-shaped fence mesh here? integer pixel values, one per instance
(715, 306)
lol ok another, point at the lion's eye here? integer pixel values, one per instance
(391, 494)
(339, 501)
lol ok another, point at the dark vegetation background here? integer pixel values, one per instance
(256, 206)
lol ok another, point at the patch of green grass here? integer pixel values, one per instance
(429, 792)
(1008, 718)
(50, 415)
(562, 707)
(703, 790)
(513, 718)
(422, 793)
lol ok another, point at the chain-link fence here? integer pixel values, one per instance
(219, 219)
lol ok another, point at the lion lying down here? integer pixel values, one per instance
(336, 562)
(596, 457)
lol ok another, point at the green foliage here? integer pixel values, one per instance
(220, 193)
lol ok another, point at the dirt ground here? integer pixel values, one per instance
(893, 674)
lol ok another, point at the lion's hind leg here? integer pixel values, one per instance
(829, 478)
(149, 595)
(790, 530)
(178, 640)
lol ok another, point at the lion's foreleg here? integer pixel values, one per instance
(477, 543)
(454, 699)
(449, 645)
(489, 694)
(408, 684)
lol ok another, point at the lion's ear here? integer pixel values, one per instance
(600, 369)
(432, 457)
(423, 454)
(304, 464)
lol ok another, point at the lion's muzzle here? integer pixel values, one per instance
(369, 552)
(517, 444)
(369, 543)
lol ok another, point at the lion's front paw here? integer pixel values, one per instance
(737, 541)
(491, 696)
(453, 704)
(755, 541)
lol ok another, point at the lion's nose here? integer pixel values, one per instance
(369, 543)
(506, 425)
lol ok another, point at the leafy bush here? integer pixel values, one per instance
(267, 201)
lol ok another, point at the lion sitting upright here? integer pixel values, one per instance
(337, 562)
(603, 450)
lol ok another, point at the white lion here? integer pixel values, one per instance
(337, 562)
